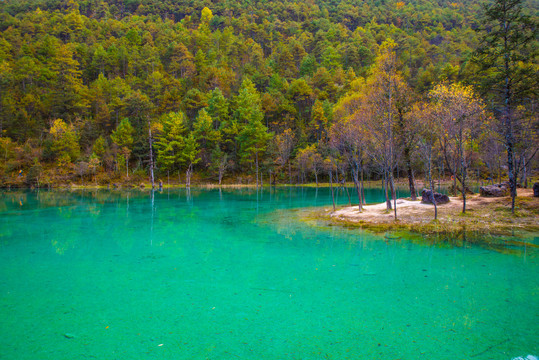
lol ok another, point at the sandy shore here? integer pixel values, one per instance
(481, 214)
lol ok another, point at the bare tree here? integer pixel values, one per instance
(312, 159)
(347, 136)
(285, 145)
(82, 169)
(384, 87)
(428, 138)
(459, 110)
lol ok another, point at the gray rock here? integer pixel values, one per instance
(496, 190)
(439, 198)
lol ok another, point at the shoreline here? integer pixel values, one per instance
(483, 215)
(123, 184)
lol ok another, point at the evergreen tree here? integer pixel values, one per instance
(253, 140)
(123, 138)
(508, 57)
(170, 141)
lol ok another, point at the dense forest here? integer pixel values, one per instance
(109, 90)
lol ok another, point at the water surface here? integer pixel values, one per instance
(234, 274)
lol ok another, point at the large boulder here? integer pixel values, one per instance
(439, 198)
(536, 189)
(496, 190)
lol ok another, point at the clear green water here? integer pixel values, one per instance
(235, 275)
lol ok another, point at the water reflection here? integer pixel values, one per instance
(68, 217)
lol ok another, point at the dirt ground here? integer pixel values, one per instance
(481, 212)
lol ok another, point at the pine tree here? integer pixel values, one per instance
(170, 141)
(507, 56)
(123, 137)
(253, 140)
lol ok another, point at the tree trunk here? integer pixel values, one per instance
(256, 155)
(331, 188)
(432, 187)
(524, 180)
(289, 172)
(188, 174)
(511, 173)
(393, 193)
(499, 171)
(151, 153)
(362, 187)
(463, 167)
(386, 183)
(411, 183)
(355, 176)
(508, 121)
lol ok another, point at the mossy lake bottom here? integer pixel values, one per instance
(234, 274)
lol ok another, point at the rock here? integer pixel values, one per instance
(536, 189)
(69, 336)
(439, 198)
(496, 190)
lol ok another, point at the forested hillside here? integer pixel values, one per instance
(101, 90)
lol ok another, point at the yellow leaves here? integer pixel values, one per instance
(400, 4)
(206, 15)
(58, 128)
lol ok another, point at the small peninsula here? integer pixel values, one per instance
(483, 215)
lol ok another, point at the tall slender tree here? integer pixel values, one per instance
(508, 58)
(123, 137)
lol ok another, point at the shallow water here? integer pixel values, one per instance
(234, 274)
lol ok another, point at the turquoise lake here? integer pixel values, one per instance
(236, 274)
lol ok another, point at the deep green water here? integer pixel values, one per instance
(234, 274)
